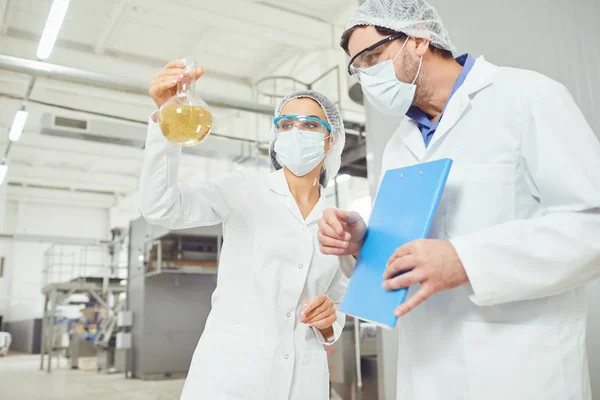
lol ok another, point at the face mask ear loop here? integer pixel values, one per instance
(401, 48)
(418, 71)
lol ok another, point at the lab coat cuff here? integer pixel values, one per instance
(477, 286)
(337, 331)
(347, 264)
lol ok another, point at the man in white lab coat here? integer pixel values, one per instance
(497, 308)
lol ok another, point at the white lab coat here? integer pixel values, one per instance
(522, 208)
(253, 346)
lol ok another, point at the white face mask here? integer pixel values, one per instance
(383, 89)
(300, 151)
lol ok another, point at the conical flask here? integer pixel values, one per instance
(185, 118)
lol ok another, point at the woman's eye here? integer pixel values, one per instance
(312, 125)
(286, 125)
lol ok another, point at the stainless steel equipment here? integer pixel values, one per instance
(172, 275)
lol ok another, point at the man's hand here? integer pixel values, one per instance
(432, 263)
(341, 233)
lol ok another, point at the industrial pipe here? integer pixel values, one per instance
(74, 75)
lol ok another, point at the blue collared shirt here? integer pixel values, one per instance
(422, 119)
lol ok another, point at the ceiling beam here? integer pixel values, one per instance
(116, 15)
(71, 178)
(108, 61)
(250, 19)
(60, 197)
(74, 75)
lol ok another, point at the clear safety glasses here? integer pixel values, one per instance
(370, 56)
(286, 123)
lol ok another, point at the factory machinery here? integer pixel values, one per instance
(171, 278)
(83, 287)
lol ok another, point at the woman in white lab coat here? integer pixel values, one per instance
(275, 304)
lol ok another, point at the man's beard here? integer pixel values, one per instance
(410, 69)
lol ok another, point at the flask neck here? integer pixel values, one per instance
(188, 82)
(186, 85)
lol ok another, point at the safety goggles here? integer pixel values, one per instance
(286, 123)
(370, 56)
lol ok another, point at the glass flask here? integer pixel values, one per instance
(185, 119)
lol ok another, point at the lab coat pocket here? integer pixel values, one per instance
(511, 361)
(229, 366)
(312, 376)
(478, 196)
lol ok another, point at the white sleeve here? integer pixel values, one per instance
(560, 250)
(162, 201)
(347, 264)
(336, 292)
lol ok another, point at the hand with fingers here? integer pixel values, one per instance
(320, 314)
(341, 233)
(433, 263)
(164, 84)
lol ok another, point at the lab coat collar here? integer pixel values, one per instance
(481, 76)
(277, 182)
(279, 185)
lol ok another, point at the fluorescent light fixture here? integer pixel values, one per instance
(58, 10)
(3, 171)
(18, 124)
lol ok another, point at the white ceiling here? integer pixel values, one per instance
(238, 41)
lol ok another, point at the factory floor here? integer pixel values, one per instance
(21, 379)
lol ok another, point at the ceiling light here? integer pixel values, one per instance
(58, 10)
(18, 124)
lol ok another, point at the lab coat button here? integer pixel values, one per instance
(286, 356)
(300, 266)
(304, 229)
(288, 314)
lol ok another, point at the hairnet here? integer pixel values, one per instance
(333, 158)
(414, 18)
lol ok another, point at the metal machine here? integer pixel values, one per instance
(172, 275)
(70, 270)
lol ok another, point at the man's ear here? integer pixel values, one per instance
(421, 46)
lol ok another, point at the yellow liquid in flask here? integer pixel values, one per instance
(185, 125)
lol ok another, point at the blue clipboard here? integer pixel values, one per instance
(403, 211)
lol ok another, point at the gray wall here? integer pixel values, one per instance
(26, 335)
(558, 38)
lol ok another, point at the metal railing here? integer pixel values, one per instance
(80, 263)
